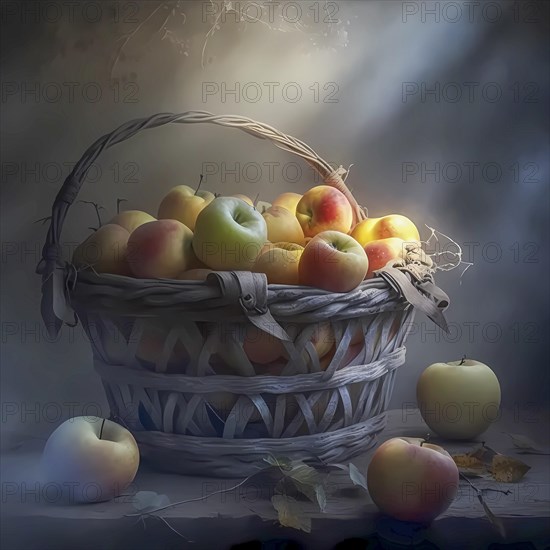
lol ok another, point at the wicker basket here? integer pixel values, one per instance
(171, 357)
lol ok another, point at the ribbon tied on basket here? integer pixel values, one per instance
(249, 290)
(424, 295)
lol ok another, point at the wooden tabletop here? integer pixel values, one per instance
(33, 519)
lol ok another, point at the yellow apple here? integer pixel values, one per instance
(283, 226)
(394, 225)
(460, 399)
(280, 263)
(184, 204)
(131, 219)
(244, 198)
(105, 250)
(288, 201)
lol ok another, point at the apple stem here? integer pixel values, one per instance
(256, 201)
(101, 429)
(199, 186)
(462, 360)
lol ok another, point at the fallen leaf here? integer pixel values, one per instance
(357, 477)
(321, 497)
(474, 472)
(290, 514)
(508, 469)
(281, 462)
(526, 445)
(468, 462)
(145, 501)
(484, 454)
(484, 460)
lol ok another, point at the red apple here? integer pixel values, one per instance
(324, 208)
(333, 261)
(381, 251)
(411, 480)
(160, 249)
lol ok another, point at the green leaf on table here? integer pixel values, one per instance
(357, 477)
(280, 462)
(308, 481)
(526, 445)
(146, 501)
(290, 514)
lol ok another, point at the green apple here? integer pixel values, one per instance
(184, 204)
(90, 459)
(229, 234)
(459, 399)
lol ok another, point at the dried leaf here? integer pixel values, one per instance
(468, 462)
(497, 522)
(526, 445)
(507, 469)
(357, 477)
(484, 454)
(473, 472)
(290, 514)
(146, 501)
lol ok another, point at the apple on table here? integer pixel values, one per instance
(91, 459)
(458, 399)
(411, 480)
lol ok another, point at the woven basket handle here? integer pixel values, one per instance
(50, 266)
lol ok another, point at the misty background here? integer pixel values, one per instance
(444, 115)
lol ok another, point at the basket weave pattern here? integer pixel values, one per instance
(171, 353)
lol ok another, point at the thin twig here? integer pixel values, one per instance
(97, 209)
(171, 505)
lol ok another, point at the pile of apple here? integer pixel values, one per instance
(305, 239)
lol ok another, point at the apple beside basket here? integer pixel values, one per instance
(162, 347)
